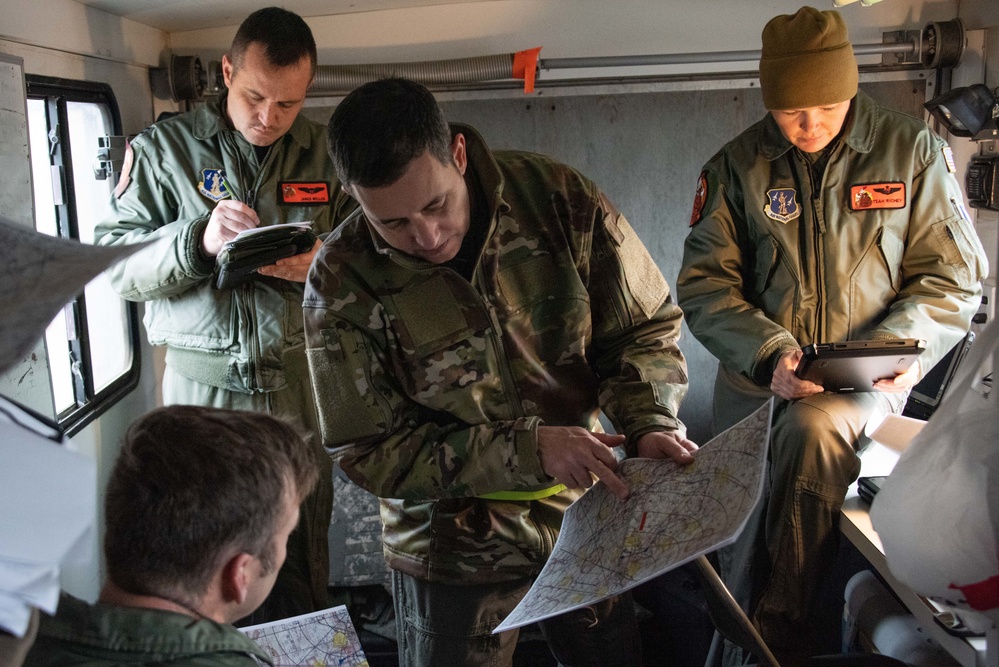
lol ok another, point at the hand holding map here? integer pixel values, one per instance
(675, 514)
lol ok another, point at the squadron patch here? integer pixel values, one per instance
(298, 192)
(211, 184)
(700, 197)
(782, 205)
(877, 195)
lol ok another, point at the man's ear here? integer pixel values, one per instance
(458, 152)
(227, 70)
(236, 578)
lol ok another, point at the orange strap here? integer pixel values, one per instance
(525, 66)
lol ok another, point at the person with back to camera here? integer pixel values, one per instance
(462, 336)
(245, 160)
(831, 219)
(198, 509)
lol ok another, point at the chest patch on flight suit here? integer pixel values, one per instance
(700, 197)
(782, 205)
(300, 192)
(877, 195)
(212, 184)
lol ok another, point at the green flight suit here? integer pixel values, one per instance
(108, 636)
(240, 348)
(781, 254)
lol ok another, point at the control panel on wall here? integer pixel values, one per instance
(982, 183)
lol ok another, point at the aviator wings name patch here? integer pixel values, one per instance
(877, 195)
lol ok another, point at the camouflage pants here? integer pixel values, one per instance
(441, 624)
(302, 582)
(781, 559)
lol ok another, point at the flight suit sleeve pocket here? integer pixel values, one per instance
(347, 402)
(958, 250)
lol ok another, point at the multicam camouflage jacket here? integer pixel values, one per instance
(430, 388)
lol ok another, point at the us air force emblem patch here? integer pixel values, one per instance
(211, 185)
(782, 206)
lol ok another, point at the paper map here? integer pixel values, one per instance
(41, 275)
(675, 514)
(321, 639)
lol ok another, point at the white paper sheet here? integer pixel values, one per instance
(47, 499)
(48, 502)
(896, 432)
(41, 275)
(307, 224)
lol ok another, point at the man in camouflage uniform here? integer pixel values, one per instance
(831, 219)
(462, 337)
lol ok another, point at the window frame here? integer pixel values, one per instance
(89, 404)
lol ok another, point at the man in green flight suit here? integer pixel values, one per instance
(831, 219)
(245, 160)
(184, 564)
(463, 335)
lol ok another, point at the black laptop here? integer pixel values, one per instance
(926, 396)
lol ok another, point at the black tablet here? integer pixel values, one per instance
(855, 365)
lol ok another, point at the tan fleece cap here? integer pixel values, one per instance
(807, 61)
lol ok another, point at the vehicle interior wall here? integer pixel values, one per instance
(565, 28)
(984, 15)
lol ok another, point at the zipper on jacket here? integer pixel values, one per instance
(251, 195)
(816, 231)
(506, 374)
(248, 291)
(250, 335)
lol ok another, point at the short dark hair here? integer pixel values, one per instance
(380, 127)
(286, 38)
(193, 486)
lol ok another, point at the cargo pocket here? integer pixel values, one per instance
(777, 287)
(891, 251)
(959, 250)
(645, 280)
